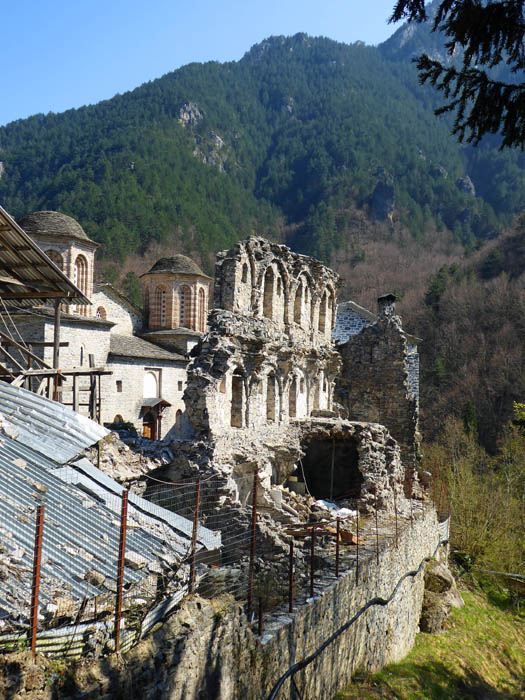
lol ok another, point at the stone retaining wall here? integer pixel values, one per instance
(207, 650)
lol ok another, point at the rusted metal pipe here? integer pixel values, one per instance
(312, 553)
(193, 567)
(35, 588)
(121, 557)
(252, 547)
(337, 536)
(357, 543)
(290, 579)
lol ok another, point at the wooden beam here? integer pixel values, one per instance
(22, 349)
(56, 338)
(79, 372)
(52, 294)
(39, 343)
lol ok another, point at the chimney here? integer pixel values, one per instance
(386, 305)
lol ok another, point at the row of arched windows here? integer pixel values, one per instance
(298, 404)
(303, 303)
(186, 315)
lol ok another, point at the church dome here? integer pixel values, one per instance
(51, 223)
(177, 264)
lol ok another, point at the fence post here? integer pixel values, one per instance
(35, 588)
(337, 536)
(261, 606)
(357, 542)
(377, 531)
(253, 542)
(290, 579)
(312, 552)
(121, 556)
(194, 535)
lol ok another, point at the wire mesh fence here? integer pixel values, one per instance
(77, 555)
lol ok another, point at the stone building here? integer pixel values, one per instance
(145, 356)
(261, 384)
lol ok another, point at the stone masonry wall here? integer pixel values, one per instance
(207, 650)
(374, 383)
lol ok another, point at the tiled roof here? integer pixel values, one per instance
(177, 263)
(52, 223)
(131, 346)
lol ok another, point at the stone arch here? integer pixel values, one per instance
(55, 257)
(271, 396)
(185, 306)
(237, 399)
(292, 397)
(150, 385)
(202, 310)
(322, 313)
(268, 292)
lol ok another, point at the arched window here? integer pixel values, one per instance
(150, 385)
(322, 314)
(270, 398)
(178, 422)
(101, 313)
(268, 293)
(237, 399)
(160, 307)
(298, 305)
(244, 277)
(146, 302)
(80, 273)
(55, 257)
(185, 307)
(292, 399)
(82, 356)
(202, 310)
(80, 278)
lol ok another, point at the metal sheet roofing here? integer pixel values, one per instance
(46, 426)
(27, 276)
(81, 534)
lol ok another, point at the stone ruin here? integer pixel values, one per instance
(266, 387)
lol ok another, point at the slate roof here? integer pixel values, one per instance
(53, 223)
(131, 346)
(177, 264)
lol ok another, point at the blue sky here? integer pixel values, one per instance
(58, 54)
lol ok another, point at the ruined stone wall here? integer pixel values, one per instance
(265, 280)
(374, 383)
(208, 650)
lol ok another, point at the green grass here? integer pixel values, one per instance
(481, 655)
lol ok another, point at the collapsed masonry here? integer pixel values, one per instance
(263, 382)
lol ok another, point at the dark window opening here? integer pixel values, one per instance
(179, 386)
(245, 273)
(270, 398)
(268, 294)
(237, 400)
(292, 399)
(119, 387)
(317, 465)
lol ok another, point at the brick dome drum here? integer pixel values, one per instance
(51, 223)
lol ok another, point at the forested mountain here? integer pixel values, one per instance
(332, 148)
(289, 138)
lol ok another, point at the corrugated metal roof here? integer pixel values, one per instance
(107, 489)
(46, 426)
(27, 276)
(81, 534)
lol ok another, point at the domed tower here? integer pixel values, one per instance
(176, 296)
(64, 241)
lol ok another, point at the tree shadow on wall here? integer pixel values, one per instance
(439, 683)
